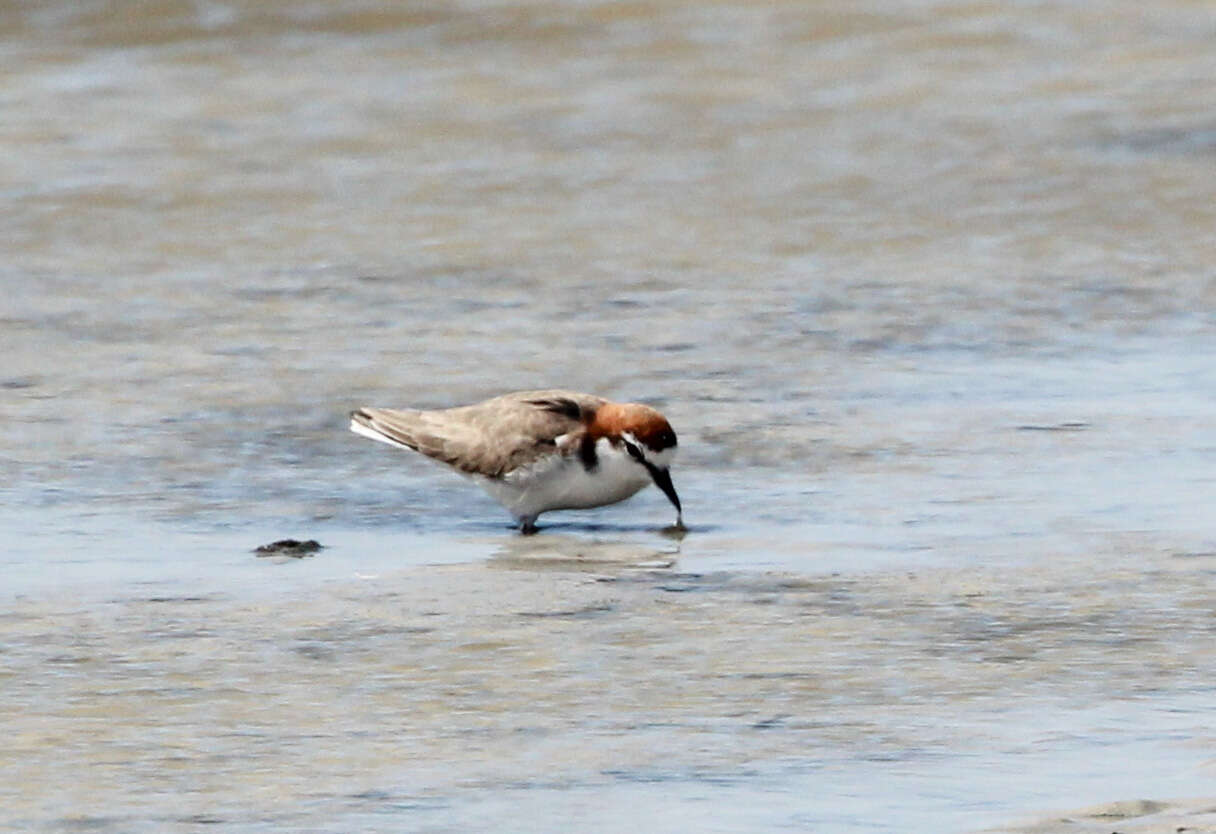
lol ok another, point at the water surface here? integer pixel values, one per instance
(926, 289)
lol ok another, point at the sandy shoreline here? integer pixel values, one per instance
(583, 670)
(1133, 816)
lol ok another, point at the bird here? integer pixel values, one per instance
(537, 451)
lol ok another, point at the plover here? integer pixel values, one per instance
(536, 451)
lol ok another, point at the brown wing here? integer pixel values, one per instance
(491, 437)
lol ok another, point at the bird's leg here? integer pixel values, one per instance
(527, 525)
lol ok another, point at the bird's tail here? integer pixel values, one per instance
(385, 425)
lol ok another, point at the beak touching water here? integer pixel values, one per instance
(662, 479)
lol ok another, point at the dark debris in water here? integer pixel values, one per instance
(289, 547)
(1072, 425)
(656, 775)
(649, 577)
(586, 611)
(399, 802)
(1187, 139)
(315, 651)
(773, 722)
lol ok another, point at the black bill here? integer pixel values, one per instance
(662, 479)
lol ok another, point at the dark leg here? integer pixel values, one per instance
(527, 525)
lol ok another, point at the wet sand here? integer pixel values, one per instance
(562, 666)
(1133, 816)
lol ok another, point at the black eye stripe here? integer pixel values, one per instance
(634, 452)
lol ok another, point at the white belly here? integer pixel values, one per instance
(563, 483)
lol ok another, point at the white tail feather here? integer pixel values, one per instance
(369, 432)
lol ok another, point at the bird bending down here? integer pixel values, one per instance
(536, 451)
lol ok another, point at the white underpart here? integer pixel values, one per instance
(365, 431)
(561, 482)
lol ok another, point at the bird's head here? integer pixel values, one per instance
(647, 437)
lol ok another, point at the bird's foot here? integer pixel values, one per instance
(527, 526)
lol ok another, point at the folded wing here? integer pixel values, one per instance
(490, 438)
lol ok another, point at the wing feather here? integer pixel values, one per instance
(490, 438)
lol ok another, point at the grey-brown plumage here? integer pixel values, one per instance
(536, 451)
(492, 437)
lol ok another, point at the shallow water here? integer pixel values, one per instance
(925, 288)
